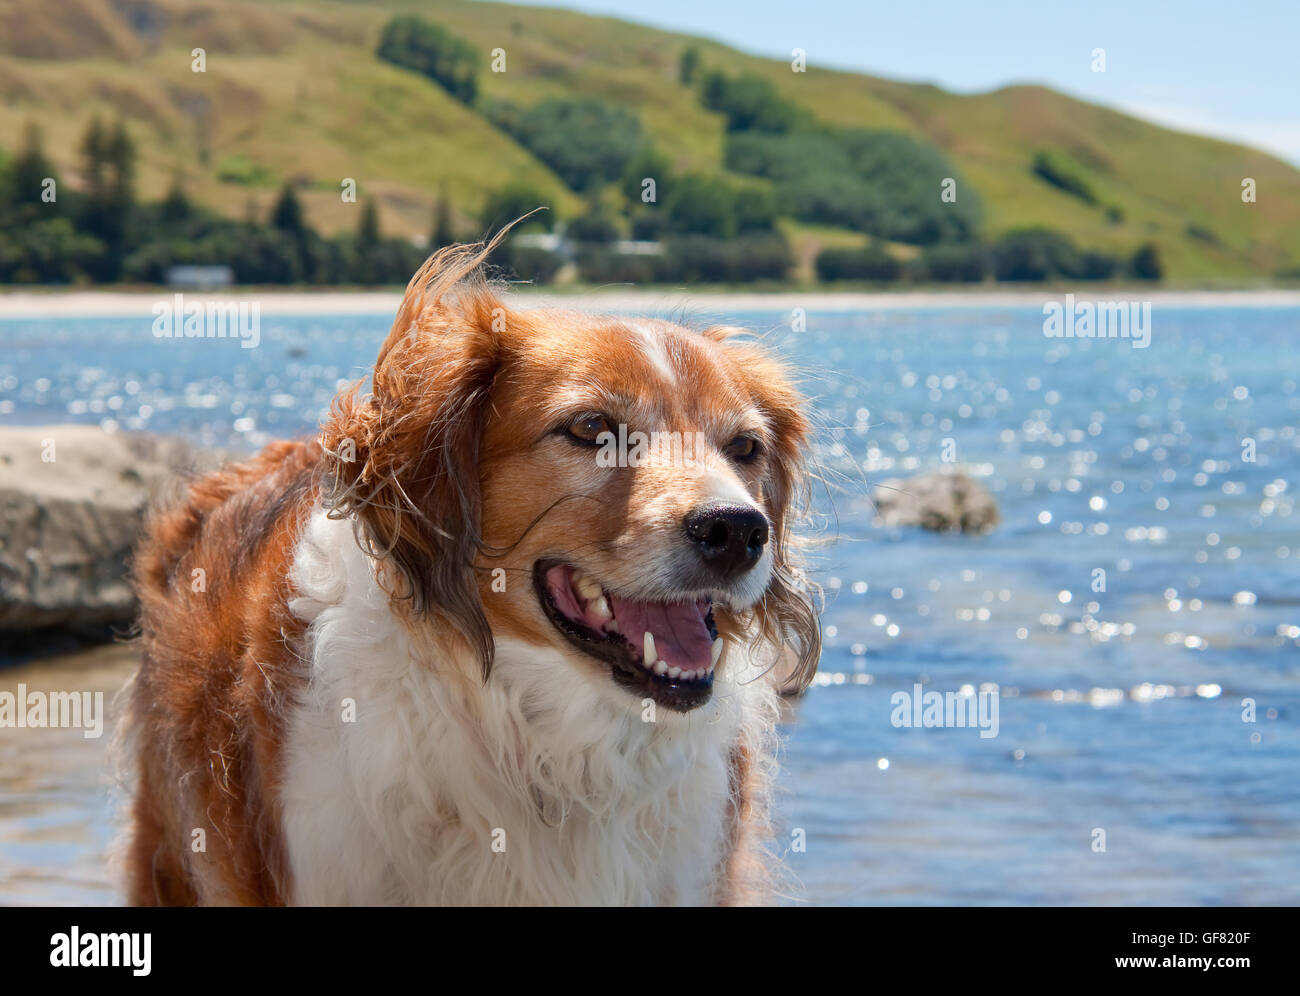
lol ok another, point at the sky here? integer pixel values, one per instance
(1221, 69)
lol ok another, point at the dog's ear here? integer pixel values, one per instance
(788, 613)
(403, 460)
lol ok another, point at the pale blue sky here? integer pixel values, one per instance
(1224, 69)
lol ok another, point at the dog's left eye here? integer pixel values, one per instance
(742, 449)
(588, 428)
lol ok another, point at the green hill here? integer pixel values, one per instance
(294, 91)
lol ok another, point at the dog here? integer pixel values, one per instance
(446, 654)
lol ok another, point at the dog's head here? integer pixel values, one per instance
(622, 491)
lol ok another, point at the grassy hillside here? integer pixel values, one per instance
(294, 91)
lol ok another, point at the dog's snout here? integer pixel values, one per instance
(730, 538)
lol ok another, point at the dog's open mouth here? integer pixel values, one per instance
(664, 650)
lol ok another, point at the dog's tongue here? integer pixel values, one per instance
(681, 635)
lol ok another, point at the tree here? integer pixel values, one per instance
(108, 172)
(701, 205)
(286, 213)
(586, 142)
(414, 43)
(688, 65)
(176, 207)
(92, 158)
(870, 263)
(444, 232)
(1146, 264)
(514, 201)
(29, 172)
(368, 229)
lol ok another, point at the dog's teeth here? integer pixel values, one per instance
(611, 626)
(690, 675)
(601, 608)
(716, 652)
(589, 589)
(660, 668)
(674, 672)
(648, 649)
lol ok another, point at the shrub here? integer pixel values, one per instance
(415, 44)
(527, 263)
(750, 102)
(954, 264)
(1034, 254)
(586, 142)
(515, 200)
(700, 259)
(877, 182)
(1055, 171)
(595, 226)
(870, 263)
(1146, 263)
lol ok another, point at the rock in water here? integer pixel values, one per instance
(940, 500)
(72, 499)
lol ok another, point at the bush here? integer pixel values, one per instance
(514, 201)
(1146, 264)
(953, 264)
(527, 263)
(871, 263)
(49, 251)
(700, 259)
(1034, 254)
(1095, 265)
(693, 259)
(1055, 171)
(750, 102)
(709, 205)
(599, 265)
(877, 182)
(595, 226)
(415, 44)
(586, 142)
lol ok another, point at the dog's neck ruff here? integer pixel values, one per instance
(408, 780)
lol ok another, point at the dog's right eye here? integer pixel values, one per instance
(587, 429)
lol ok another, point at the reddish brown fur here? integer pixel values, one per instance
(448, 481)
(218, 665)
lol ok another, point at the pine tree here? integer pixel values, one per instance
(108, 173)
(176, 206)
(92, 158)
(368, 230)
(286, 214)
(119, 153)
(30, 171)
(444, 232)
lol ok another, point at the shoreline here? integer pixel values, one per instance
(101, 303)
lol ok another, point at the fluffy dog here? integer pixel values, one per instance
(452, 653)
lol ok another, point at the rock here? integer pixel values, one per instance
(72, 499)
(940, 500)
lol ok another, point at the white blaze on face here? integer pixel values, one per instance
(655, 351)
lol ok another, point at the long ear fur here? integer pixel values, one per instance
(403, 461)
(788, 614)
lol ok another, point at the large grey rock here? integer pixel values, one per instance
(72, 500)
(943, 501)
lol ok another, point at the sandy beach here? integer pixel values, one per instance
(653, 300)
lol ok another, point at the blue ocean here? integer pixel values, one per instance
(1135, 616)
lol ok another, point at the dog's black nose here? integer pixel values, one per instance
(730, 538)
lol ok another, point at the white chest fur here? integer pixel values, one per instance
(544, 786)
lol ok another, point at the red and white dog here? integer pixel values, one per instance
(446, 655)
